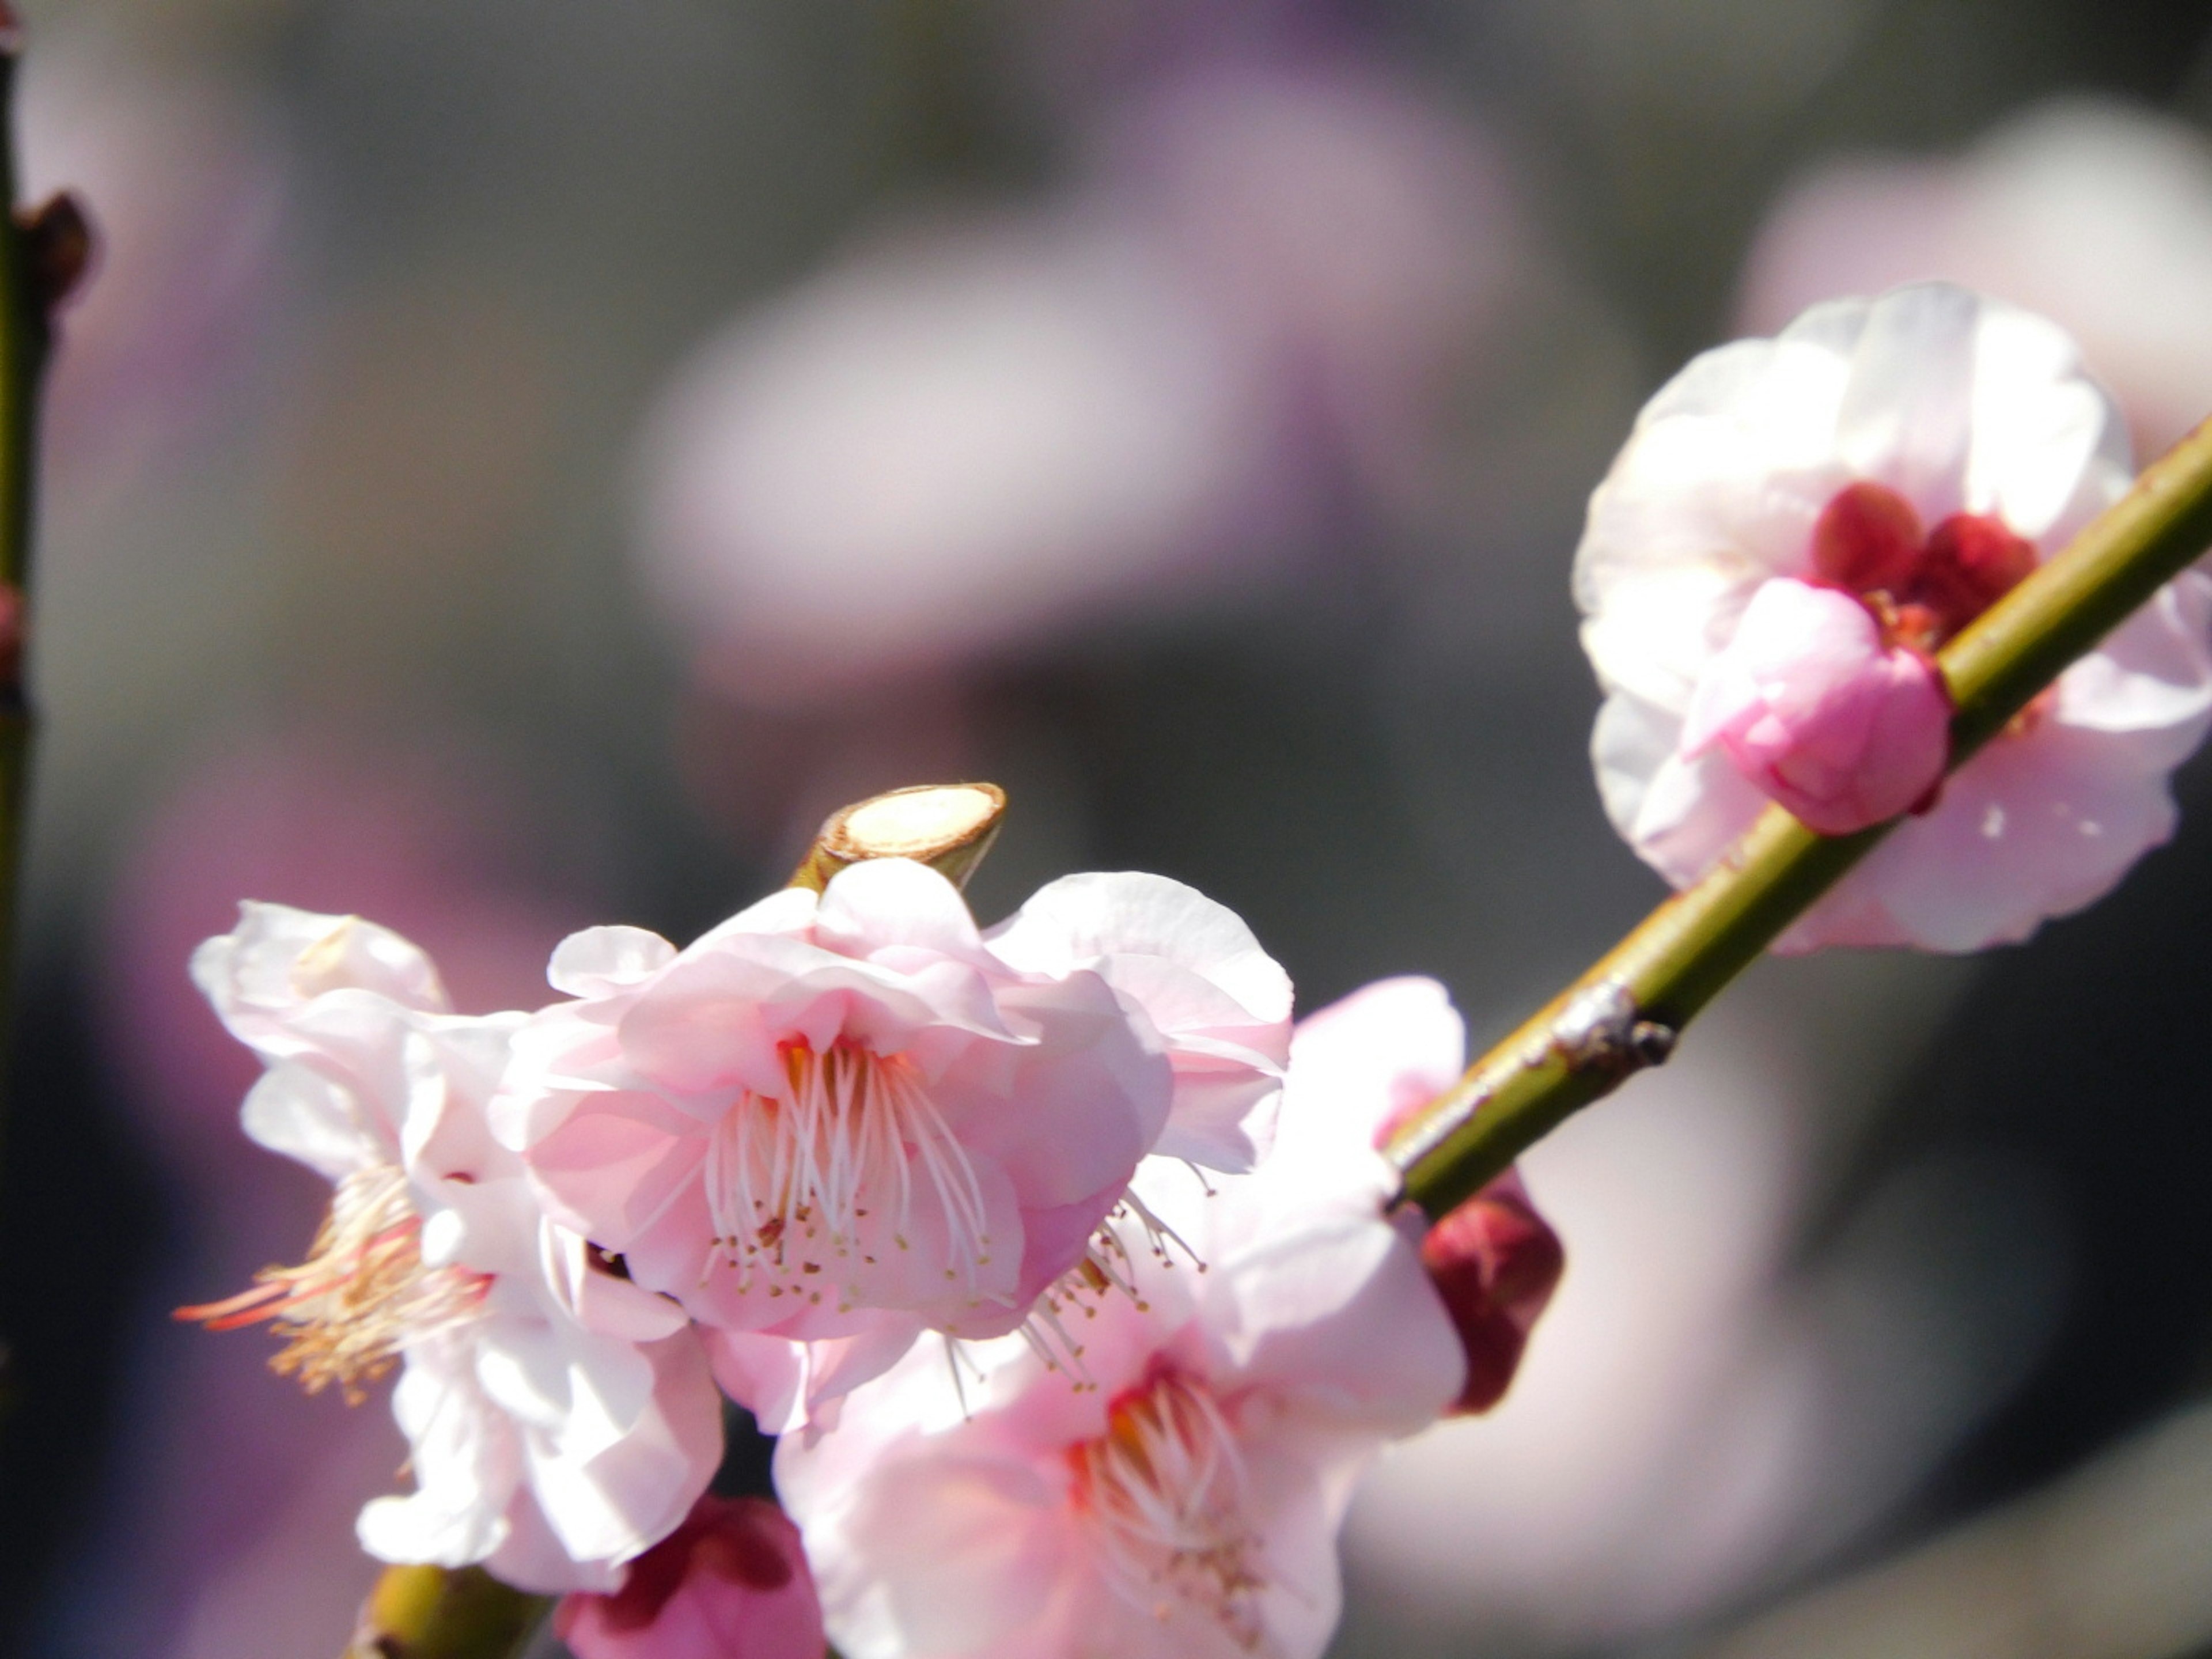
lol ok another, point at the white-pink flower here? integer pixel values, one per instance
(1917, 453)
(1173, 1487)
(834, 1120)
(561, 1420)
(1220, 1003)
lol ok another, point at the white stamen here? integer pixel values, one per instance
(1108, 1268)
(826, 1173)
(1164, 1489)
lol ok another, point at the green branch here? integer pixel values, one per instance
(1625, 1013)
(437, 1613)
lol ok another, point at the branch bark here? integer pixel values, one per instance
(43, 254)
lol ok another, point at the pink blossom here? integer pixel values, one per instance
(2095, 213)
(1171, 1482)
(1494, 1260)
(731, 1582)
(1816, 458)
(561, 1420)
(833, 1119)
(990, 425)
(1220, 1004)
(967, 431)
(1815, 710)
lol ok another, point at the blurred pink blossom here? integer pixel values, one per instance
(983, 429)
(969, 430)
(731, 1582)
(184, 178)
(2097, 214)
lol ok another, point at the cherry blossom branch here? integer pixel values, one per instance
(1625, 1013)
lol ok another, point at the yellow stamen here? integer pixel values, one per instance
(361, 1295)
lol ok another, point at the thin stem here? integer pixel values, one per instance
(1625, 1013)
(42, 254)
(22, 350)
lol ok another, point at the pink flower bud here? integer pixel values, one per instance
(1813, 710)
(1869, 538)
(731, 1582)
(1973, 560)
(1496, 1263)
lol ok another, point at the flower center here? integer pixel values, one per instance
(1109, 1268)
(1922, 588)
(1164, 1489)
(852, 1159)
(362, 1294)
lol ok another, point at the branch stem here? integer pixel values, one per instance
(1625, 1010)
(24, 337)
(440, 1613)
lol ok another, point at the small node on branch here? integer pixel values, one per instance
(948, 826)
(1601, 1030)
(59, 246)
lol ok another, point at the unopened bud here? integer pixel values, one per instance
(59, 246)
(731, 1582)
(1496, 1262)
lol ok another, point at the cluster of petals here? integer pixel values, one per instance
(840, 1120)
(1793, 529)
(560, 1419)
(1173, 1485)
(776, 1159)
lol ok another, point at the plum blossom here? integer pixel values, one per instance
(1220, 1003)
(836, 1121)
(731, 1582)
(1916, 455)
(561, 1420)
(1494, 1260)
(1174, 1485)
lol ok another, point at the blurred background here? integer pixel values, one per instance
(518, 463)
